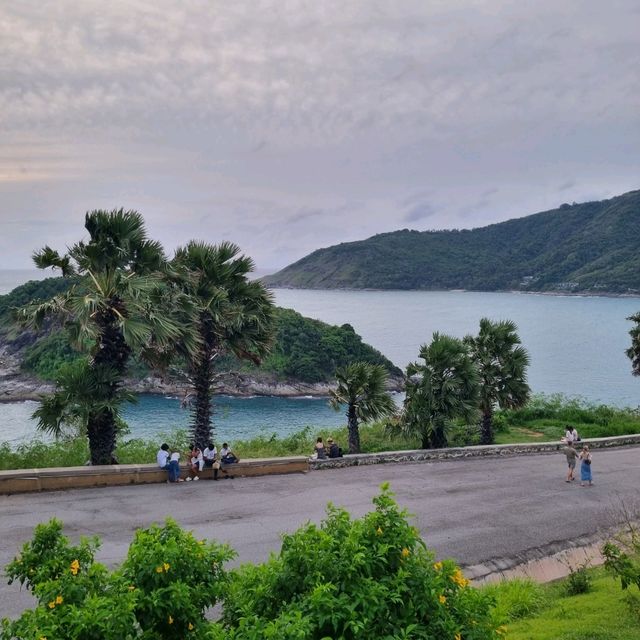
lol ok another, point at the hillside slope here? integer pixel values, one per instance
(589, 247)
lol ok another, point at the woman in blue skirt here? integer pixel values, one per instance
(585, 466)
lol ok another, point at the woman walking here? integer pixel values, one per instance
(585, 466)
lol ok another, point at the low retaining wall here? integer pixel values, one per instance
(480, 451)
(29, 480)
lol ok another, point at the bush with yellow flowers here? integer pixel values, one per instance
(368, 578)
(176, 578)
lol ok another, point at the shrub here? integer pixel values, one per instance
(176, 578)
(578, 580)
(366, 578)
(515, 599)
(161, 591)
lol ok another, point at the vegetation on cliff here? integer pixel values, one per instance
(304, 350)
(590, 247)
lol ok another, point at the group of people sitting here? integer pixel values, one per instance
(330, 450)
(198, 460)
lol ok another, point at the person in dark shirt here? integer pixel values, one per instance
(572, 454)
(334, 450)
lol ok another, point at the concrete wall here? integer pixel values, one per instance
(481, 451)
(27, 480)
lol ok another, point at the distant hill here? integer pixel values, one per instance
(590, 247)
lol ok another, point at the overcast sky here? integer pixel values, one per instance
(290, 125)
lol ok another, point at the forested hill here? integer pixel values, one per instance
(590, 247)
(304, 350)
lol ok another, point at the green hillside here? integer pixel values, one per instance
(590, 247)
(304, 350)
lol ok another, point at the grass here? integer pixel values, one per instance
(545, 612)
(543, 419)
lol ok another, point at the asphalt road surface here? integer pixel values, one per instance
(472, 510)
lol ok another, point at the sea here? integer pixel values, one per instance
(576, 346)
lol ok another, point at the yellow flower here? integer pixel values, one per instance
(131, 587)
(43, 638)
(75, 567)
(190, 627)
(405, 552)
(158, 569)
(457, 637)
(501, 630)
(379, 531)
(170, 620)
(442, 599)
(166, 566)
(437, 566)
(52, 604)
(59, 599)
(459, 578)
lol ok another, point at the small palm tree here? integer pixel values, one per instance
(502, 364)
(633, 352)
(232, 314)
(441, 389)
(361, 387)
(115, 307)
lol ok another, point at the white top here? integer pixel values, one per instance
(162, 458)
(175, 456)
(568, 436)
(197, 458)
(210, 454)
(225, 451)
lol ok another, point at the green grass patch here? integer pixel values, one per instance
(600, 614)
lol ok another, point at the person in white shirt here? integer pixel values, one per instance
(163, 456)
(197, 462)
(210, 453)
(174, 467)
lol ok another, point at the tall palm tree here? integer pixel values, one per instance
(114, 307)
(232, 314)
(633, 352)
(361, 387)
(440, 389)
(502, 364)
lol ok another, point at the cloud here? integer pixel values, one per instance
(420, 212)
(287, 125)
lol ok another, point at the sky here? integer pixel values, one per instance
(290, 125)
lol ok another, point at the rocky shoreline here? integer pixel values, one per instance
(17, 387)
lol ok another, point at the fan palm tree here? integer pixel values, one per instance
(502, 364)
(361, 387)
(633, 352)
(114, 307)
(232, 314)
(439, 390)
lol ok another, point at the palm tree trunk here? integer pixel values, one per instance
(113, 354)
(486, 428)
(438, 438)
(202, 380)
(354, 432)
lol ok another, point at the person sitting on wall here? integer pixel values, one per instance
(334, 450)
(210, 455)
(319, 450)
(163, 458)
(174, 467)
(196, 460)
(227, 456)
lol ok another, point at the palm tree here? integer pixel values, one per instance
(502, 364)
(361, 387)
(114, 307)
(633, 352)
(232, 314)
(439, 390)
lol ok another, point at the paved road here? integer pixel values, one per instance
(471, 510)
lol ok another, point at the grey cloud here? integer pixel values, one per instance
(419, 212)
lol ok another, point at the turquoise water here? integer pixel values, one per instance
(576, 346)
